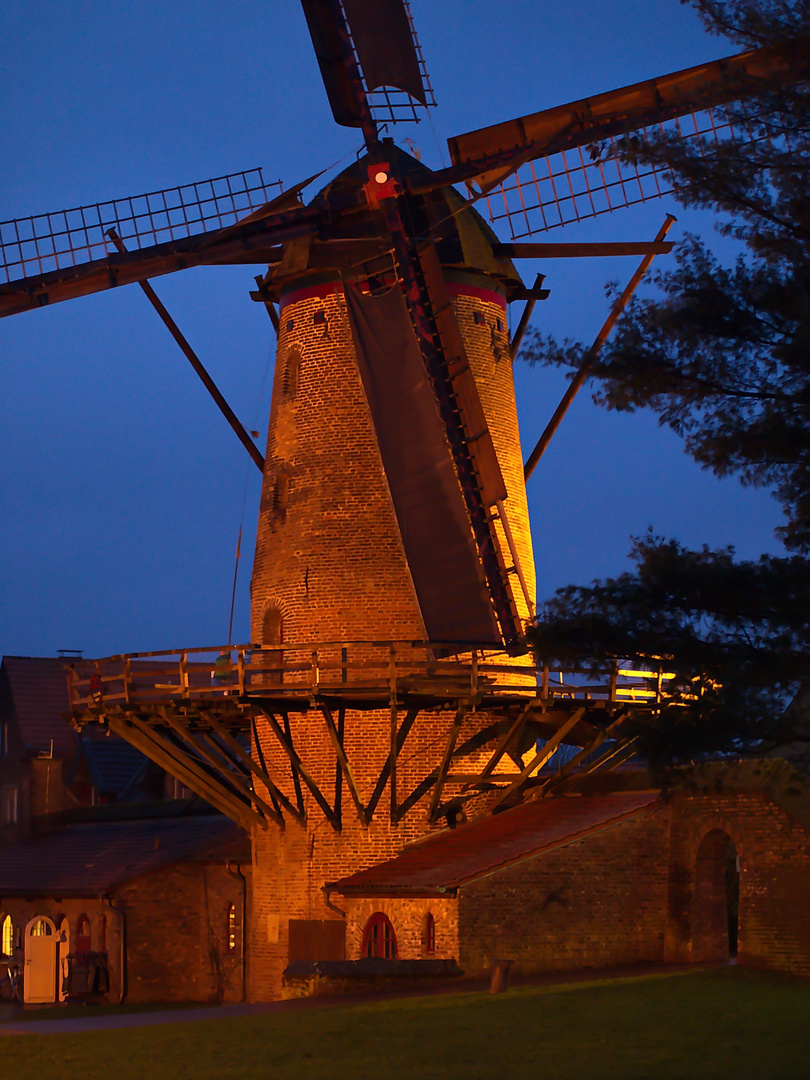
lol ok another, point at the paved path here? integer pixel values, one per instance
(110, 1021)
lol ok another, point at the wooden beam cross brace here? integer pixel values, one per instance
(542, 756)
(337, 742)
(284, 737)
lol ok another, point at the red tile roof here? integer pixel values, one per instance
(39, 699)
(91, 859)
(455, 857)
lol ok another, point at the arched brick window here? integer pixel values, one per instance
(379, 938)
(429, 934)
(7, 936)
(292, 367)
(83, 934)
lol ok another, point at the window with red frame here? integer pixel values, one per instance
(83, 934)
(379, 938)
(429, 935)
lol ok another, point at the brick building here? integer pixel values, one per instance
(112, 880)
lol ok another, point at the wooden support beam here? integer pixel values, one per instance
(511, 734)
(392, 758)
(594, 744)
(238, 782)
(299, 795)
(544, 250)
(541, 757)
(337, 742)
(275, 791)
(341, 722)
(445, 762)
(299, 769)
(134, 731)
(382, 780)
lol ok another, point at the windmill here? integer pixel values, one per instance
(393, 503)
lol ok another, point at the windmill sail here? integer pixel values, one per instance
(563, 164)
(428, 502)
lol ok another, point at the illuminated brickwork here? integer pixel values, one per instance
(330, 566)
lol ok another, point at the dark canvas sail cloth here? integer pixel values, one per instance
(428, 502)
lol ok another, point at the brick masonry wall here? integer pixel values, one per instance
(408, 919)
(177, 935)
(774, 856)
(597, 902)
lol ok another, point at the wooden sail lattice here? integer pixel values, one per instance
(42, 243)
(587, 181)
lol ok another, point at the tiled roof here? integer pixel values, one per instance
(39, 696)
(111, 763)
(455, 857)
(87, 860)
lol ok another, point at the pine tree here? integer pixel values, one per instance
(722, 355)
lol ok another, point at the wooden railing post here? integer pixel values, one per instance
(544, 689)
(316, 673)
(184, 689)
(241, 671)
(474, 673)
(614, 676)
(127, 681)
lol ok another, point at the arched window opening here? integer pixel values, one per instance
(7, 936)
(292, 367)
(429, 935)
(716, 899)
(41, 928)
(379, 938)
(272, 634)
(280, 496)
(231, 928)
(83, 934)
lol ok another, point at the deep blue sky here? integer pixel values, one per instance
(121, 487)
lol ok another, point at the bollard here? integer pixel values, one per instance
(500, 976)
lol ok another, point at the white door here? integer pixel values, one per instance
(39, 980)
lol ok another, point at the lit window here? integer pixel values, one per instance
(7, 935)
(42, 928)
(231, 928)
(379, 938)
(429, 934)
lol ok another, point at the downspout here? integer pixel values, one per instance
(122, 939)
(327, 891)
(237, 873)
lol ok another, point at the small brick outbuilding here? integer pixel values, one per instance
(596, 878)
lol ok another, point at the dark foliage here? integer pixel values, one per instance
(722, 355)
(736, 635)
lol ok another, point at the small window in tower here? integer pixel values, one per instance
(319, 318)
(281, 491)
(7, 936)
(231, 928)
(292, 366)
(379, 938)
(290, 324)
(429, 935)
(479, 319)
(499, 325)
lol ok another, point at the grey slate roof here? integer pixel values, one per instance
(35, 688)
(91, 859)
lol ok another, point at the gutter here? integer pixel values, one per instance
(122, 938)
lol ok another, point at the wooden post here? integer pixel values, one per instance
(184, 674)
(127, 680)
(241, 672)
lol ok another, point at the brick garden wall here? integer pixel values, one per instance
(774, 858)
(599, 901)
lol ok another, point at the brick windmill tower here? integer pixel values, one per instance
(386, 690)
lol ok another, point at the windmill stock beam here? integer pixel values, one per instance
(254, 242)
(501, 148)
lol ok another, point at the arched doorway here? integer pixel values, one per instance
(715, 904)
(39, 979)
(273, 634)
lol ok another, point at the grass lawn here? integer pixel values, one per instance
(696, 1026)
